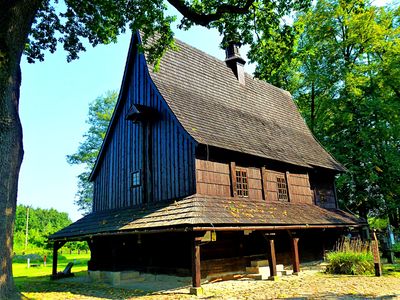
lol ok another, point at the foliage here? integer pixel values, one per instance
(351, 257)
(41, 224)
(350, 263)
(34, 258)
(342, 64)
(377, 223)
(100, 113)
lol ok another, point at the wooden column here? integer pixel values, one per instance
(376, 254)
(295, 255)
(196, 272)
(55, 258)
(272, 259)
(57, 245)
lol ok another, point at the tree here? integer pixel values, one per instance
(35, 26)
(343, 63)
(42, 223)
(100, 113)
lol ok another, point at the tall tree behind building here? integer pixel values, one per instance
(342, 63)
(99, 116)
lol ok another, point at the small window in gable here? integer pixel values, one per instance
(242, 185)
(282, 188)
(136, 179)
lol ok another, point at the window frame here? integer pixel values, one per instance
(242, 182)
(282, 188)
(136, 179)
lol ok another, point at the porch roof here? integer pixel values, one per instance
(207, 212)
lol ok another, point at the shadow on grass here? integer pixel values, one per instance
(80, 284)
(43, 285)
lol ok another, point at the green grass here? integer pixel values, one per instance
(35, 282)
(79, 260)
(391, 270)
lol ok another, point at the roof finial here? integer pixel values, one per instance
(235, 61)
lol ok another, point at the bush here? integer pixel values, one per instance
(34, 258)
(351, 257)
(350, 263)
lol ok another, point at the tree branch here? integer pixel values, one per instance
(205, 19)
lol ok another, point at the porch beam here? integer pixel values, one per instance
(295, 255)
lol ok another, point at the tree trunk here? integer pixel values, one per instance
(15, 23)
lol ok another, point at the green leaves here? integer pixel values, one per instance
(342, 64)
(100, 113)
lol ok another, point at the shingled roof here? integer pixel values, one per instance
(215, 109)
(197, 211)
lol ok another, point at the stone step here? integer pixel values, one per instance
(280, 268)
(257, 270)
(287, 272)
(259, 263)
(257, 276)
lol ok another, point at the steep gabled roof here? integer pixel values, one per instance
(256, 118)
(202, 211)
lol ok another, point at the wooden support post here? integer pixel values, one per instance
(196, 288)
(57, 245)
(375, 252)
(55, 258)
(295, 255)
(272, 259)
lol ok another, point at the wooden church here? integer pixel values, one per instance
(205, 169)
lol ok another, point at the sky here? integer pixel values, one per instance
(55, 97)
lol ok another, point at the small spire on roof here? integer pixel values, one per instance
(235, 61)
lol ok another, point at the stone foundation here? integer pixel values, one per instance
(126, 277)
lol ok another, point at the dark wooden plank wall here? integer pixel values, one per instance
(213, 179)
(324, 190)
(172, 153)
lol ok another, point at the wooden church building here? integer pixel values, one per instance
(204, 169)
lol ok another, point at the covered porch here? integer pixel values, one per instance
(205, 236)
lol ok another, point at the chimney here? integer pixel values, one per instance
(234, 61)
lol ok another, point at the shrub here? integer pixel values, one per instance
(350, 263)
(34, 258)
(351, 257)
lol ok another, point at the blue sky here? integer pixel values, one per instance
(53, 107)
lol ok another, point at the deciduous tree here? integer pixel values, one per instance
(100, 113)
(342, 64)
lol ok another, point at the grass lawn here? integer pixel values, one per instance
(35, 282)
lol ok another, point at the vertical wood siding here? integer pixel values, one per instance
(172, 150)
(213, 178)
(299, 188)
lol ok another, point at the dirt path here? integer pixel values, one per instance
(308, 285)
